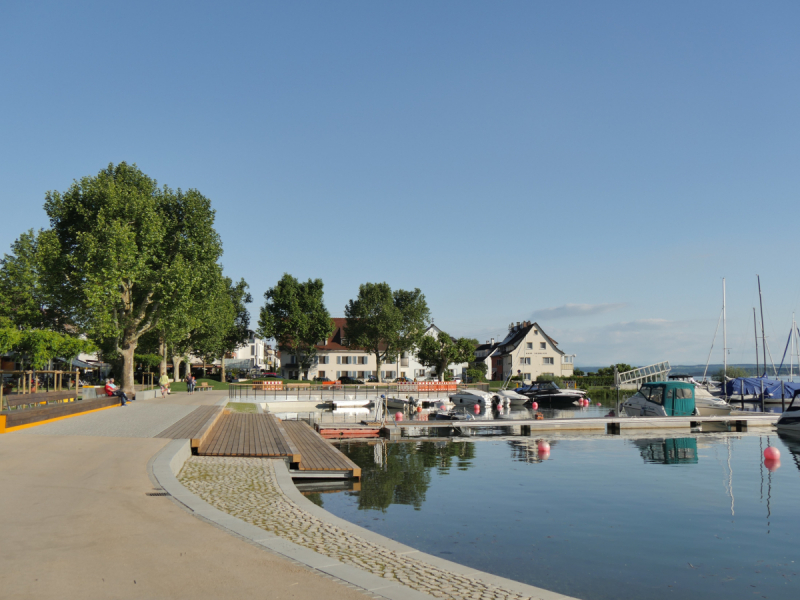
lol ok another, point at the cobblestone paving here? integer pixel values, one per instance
(246, 488)
(140, 419)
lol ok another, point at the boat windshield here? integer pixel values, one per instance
(548, 385)
(653, 394)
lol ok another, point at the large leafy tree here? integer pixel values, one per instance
(128, 255)
(226, 324)
(295, 315)
(30, 325)
(386, 323)
(442, 350)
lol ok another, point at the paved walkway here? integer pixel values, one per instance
(247, 488)
(75, 520)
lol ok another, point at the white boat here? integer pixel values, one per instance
(408, 403)
(469, 397)
(511, 397)
(706, 404)
(790, 419)
(661, 399)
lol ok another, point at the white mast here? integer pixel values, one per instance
(724, 345)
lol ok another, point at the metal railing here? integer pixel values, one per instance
(315, 393)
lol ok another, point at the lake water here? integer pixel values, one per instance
(603, 517)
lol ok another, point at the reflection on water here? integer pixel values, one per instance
(598, 517)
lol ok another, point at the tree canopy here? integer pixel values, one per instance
(127, 254)
(386, 323)
(294, 314)
(30, 326)
(442, 350)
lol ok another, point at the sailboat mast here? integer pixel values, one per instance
(763, 336)
(791, 355)
(755, 334)
(724, 344)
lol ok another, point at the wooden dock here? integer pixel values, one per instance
(318, 455)
(215, 431)
(196, 426)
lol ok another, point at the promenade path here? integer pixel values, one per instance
(75, 520)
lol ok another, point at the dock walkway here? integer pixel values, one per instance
(264, 435)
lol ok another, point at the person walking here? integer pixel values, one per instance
(164, 383)
(113, 390)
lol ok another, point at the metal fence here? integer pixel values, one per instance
(316, 393)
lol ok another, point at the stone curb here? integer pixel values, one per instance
(167, 464)
(288, 488)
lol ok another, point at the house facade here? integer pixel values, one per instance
(336, 358)
(527, 351)
(253, 354)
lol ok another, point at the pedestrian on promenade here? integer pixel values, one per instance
(164, 383)
(113, 390)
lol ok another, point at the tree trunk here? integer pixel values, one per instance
(176, 367)
(127, 350)
(162, 348)
(222, 369)
(378, 363)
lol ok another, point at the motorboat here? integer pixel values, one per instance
(454, 415)
(790, 419)
(662, 399)
(511, 397)
(467, 397)
(408, 403)
(547, 393)
(706, 403)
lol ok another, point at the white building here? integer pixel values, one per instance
(527, 351)
(336, 359)
(254, 354)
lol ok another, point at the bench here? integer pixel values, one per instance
(204, 386)
(17, 400)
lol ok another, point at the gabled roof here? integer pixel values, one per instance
(519, 333)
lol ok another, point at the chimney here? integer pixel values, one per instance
(493, 341)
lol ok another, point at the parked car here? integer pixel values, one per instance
(351, 380)
(270, 374)
(322, 380)
(372, 379)
(403, 380)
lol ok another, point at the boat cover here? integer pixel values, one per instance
(751, 386)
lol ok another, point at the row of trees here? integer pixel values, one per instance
(380, 321)
(126, 267)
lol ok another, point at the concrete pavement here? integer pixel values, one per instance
(75, 520)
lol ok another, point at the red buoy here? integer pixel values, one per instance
(771, 452)
(398, 416)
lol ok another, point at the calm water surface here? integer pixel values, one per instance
(696, 516)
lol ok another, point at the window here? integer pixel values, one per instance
(526, 376)
(320, 373)
(344, 341)
(547, 360)
(324, 360)
(530, 345)
(542, 345)
(363, 360)
(252, 350)
(567, 359)
(535, 332)
(338, 374)
(525, 361)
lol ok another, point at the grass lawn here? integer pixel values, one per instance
(242, 407)
(180, 386)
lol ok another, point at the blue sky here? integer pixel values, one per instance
(598, 167)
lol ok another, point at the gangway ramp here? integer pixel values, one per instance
(657, 372)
